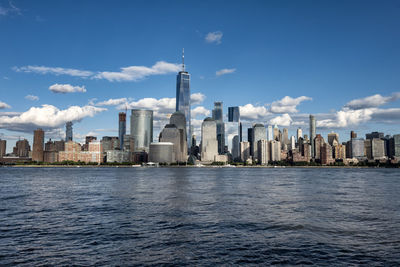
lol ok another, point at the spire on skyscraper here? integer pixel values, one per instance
(183, 59)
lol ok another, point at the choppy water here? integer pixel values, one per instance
(199, 216)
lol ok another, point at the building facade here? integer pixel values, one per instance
(142, 129)
(209, 143)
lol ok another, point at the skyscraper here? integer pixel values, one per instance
(183, 96)
(38, 144)
(3, 147)
(68, 131)
(121, 129)
(333, 136)
(233, 114)
(217, 115)
(299, 134)
(258, 134)
(270, 135)
(142, 129)
(312, 134)
(209, 143)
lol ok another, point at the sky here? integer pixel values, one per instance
(280, 61)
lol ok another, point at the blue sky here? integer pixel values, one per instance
(278, 60)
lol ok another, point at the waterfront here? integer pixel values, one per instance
(203, 216)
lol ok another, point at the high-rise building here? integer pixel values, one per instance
(326, 154)
(88, 139)
(171, 134)
(68, 131)
(3, 148)
(121, 129)
(353, 135)
(374, 135)
(357, 148)
(178, 119)
(299, 134)
(22, 148)
(142, 129)
(263, 151)
(312, 134)
(318, 143)
(339, 151)
(270, 135)
(378, 148)
(244, 151)
(38, 145)
(276, 133)
(217, 115)
(209, 143)
(285, 136)
(275, 150)
(183, 96)
(258, 134)
(233, 114)
(333, 136)
(235, 147)
(109, 143)
(162, 152)
(250, 139)
(292, 142)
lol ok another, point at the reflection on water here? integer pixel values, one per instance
(118, 216)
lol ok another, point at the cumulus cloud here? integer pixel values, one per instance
(214, 37)
(283, 120)
(66, 88)
(4, 105)
(200, 110)
(113, 102)
(162, 108)
(46, 117)
(135, 73)
(224, 71)
(288, 104)
(250, 112)
(372, 101)
(197, 98)
(56, 71)
(32, 97)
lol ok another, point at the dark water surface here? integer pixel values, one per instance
(199, 216)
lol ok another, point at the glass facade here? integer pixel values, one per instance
(183, 99)
(233, 114)
(142, 129)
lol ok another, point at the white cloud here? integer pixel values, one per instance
(66, 88)
(214, 37)
(288, 104)
(4, 105)
(372, 101)
(283, 120)
(197, 98)
(250, 112)
(162, 108)
(56, 71)
(4, 11)
(200, 110)
(113, 102)
(32, 97)
(224, 71)
(46, 117)
(135, 73)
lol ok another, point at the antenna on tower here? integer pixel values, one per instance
(183, 59)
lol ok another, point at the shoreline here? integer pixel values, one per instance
(194, 166)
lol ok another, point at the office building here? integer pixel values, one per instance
(121, 129)
(3, 148)
(88, 139)
(318, 142)
(276, 133)
(118, 156)
(178, 119)
(374, 135)
(292, 142)
(326, 154)
(339, 151)
(235, 147)
(378, 148)
(68, 131)
(38, 145)
(250, 139)
(357, 148)
(171, 134)
(244, 151)
(233, 114)
(142, 129)
(263, 151)
(22, 148)
(275, 150)
(162, 152)
(209, 143)
(299, 134)
(217, 115)
(353, 135)
(396, 146)
(183, 97)
(270, 135)
(109, 143)
(333, 136)
(285, 136)
(312, 135)
(259, 133)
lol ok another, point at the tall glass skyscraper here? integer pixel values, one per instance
(142, 129)
(233, 114)
(312, 134)
(217, 115)
(68, 131)
(183, 96)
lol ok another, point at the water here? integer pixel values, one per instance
(199, 216)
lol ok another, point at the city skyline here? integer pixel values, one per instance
(347, 82)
